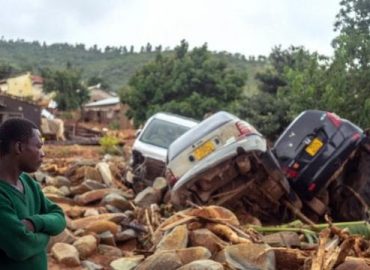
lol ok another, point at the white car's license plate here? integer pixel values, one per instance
(204, 150)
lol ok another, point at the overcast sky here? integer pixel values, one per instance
(250, 27)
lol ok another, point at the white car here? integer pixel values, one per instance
(225, 160)
(149, 150)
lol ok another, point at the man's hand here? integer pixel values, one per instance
(28, 225)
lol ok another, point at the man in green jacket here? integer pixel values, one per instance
(27, 217)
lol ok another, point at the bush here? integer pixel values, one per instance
(114, 125)
(109, 144)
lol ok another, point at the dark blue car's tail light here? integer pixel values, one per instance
(311, 187)
(356, 136)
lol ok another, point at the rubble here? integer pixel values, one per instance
(111, 227)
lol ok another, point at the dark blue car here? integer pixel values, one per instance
(313, 147)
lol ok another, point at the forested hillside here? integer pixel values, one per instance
(113, 64)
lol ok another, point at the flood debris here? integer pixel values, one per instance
(110, 226)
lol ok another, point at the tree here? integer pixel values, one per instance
(294, 82)
(148, 47)
(98, 80)
(190, 83)
(6, 71)
(71, 93)
(351, 64)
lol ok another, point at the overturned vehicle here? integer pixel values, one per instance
(149, 150)
(226, 161)
(223, 159)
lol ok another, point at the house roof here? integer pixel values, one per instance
(37, 79)
(103, 102)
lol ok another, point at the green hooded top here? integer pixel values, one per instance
(19, 247)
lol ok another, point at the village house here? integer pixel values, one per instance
(97, 93)
(108, 111)
(24, 85)
(12, 106)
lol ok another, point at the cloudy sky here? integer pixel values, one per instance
(250, 27)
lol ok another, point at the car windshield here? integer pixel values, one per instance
(162, 133)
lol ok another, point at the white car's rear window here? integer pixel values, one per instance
(162, 133)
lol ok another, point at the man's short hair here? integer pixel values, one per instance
(15, 130)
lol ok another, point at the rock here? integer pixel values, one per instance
(105, 173)
(129, 213)
(82, 223)
(84, 173)
(161, 261)
(176, 239)
(87, 185)
(147, 197)
(358, 264)
(86, 245)
(211, 212)
(248, 256)
(126, 263)
(117, 201)
(172, 259)
(107, 238)
(91, 266)
(65, 190)
(112, 209)
(66, 254)
(188, 255)
(126, 235)
(40, 176)
(160, 183)
(58, 181)
(92, 196)
(109, 251)
(91, 212)
(80, 232)
(130, 177)
(52, 190)
(65, 237)
(100, 226)
(58, 199)
(92, 173)
(130, 246)
(75, 211)
(202, 265)
(207, 239)
(282, 239)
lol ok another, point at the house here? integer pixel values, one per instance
(24, 85)
(107, 111)
(97, 93)
(11, 107)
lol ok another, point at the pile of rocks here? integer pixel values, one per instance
(105, 219)
(111, 227)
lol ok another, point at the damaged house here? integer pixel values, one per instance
(11, 107)
(107, 111)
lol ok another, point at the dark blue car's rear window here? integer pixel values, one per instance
(302, 127)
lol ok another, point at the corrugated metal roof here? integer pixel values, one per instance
(103, 102)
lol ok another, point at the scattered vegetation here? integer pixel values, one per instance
(110, 144)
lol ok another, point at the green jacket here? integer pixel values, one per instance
(20, 248)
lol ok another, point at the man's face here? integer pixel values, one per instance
(32, 153)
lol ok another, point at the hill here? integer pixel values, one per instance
(115, 64)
